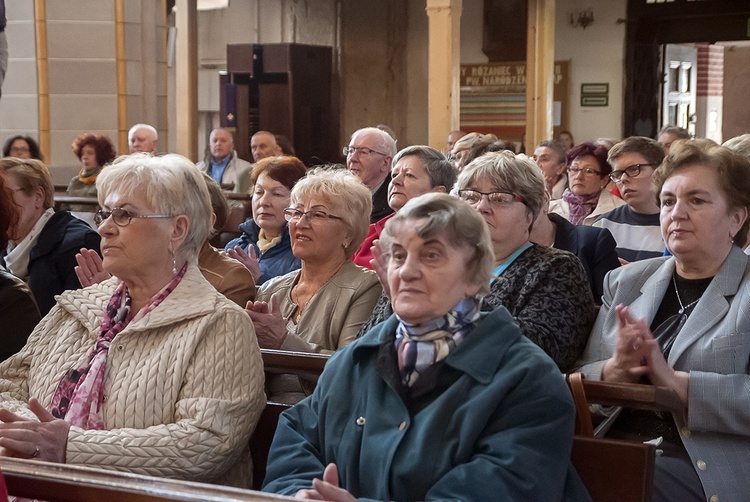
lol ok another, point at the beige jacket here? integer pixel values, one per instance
(607, 202)
(183, 386)
(332, 317)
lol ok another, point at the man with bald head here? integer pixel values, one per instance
(263, 144)
(143, 138)
(223, 164)
(369, 156)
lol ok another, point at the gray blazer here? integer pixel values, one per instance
(713, 346)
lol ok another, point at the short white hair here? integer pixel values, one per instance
(170, 184)
(386, 144)
(149, 128)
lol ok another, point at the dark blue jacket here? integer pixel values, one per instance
(595, 247)
(277, 261)
(52, 260)
(502, 430)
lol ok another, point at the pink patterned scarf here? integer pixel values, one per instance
(78, 398)
(580, 205)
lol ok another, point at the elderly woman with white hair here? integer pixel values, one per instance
(123, 374)
(441, 401)
(320, 307)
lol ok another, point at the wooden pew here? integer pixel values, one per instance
(303, 364)
(612, 470)
(71, 483)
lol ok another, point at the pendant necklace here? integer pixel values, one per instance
(677, 292)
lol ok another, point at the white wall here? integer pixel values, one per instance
(597, 55)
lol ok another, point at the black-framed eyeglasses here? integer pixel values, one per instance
(362, 150)
(496, 198)
(292, 214)
(572, 171)
(122, 217)
(631, 171)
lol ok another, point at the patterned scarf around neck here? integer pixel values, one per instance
(580, 205)
(419, 346)
(88, 177)
(79, 395)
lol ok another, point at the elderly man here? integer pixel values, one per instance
(143, 138)
(550, 157)
(635, 226)
(453, 136)
(263, 144)
(369, 156)
(223, 164)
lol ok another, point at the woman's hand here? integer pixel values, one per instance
(379, 263)
(46, 439)
(627, 362)
(327, 488)
(661, 374)
(249, 260)
(270, 325)
(90, 269)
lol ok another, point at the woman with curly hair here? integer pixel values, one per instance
(94, 151)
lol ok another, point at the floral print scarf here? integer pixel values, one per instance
(79, 395)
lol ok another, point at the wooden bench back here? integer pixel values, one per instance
(70, 483)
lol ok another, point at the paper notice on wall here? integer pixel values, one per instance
(556, 113)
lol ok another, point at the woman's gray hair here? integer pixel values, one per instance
(344, 193)
(440, 170)
(453, 218)
(516, 174)
(170, 184)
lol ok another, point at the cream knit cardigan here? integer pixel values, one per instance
(183, 386)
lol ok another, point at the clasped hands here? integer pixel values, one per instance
(45, 439)
(270, 325)
(638, 353)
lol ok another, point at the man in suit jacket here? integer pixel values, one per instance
(713, 346)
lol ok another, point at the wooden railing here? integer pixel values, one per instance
(71, 483)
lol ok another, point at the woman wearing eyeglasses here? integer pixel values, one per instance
(320, 307)
(683, 322)
(43, 243)
(587, 196)
(151, 371)
(546, 290)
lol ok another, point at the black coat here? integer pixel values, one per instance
(52, 260)
(380, 207)
(18, 314)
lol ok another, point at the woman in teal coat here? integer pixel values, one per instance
(440, 401)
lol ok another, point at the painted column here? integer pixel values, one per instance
(540, 71)
(443, 97)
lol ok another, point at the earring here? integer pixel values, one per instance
(174, 261)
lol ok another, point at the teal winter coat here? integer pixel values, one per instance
(502, 431)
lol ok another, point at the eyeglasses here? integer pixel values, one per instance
(496, 198)
(586, 172)
(19, 149)
(631, 171)
(122, 217)
(313, 216)
(362, 150)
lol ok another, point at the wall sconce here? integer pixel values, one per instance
(583, 18)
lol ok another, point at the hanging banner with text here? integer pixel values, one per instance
(493, 98)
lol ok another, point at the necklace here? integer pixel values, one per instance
(677, 292)
(295, 296)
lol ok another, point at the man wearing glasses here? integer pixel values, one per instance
(635, 226)
(369, 156)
